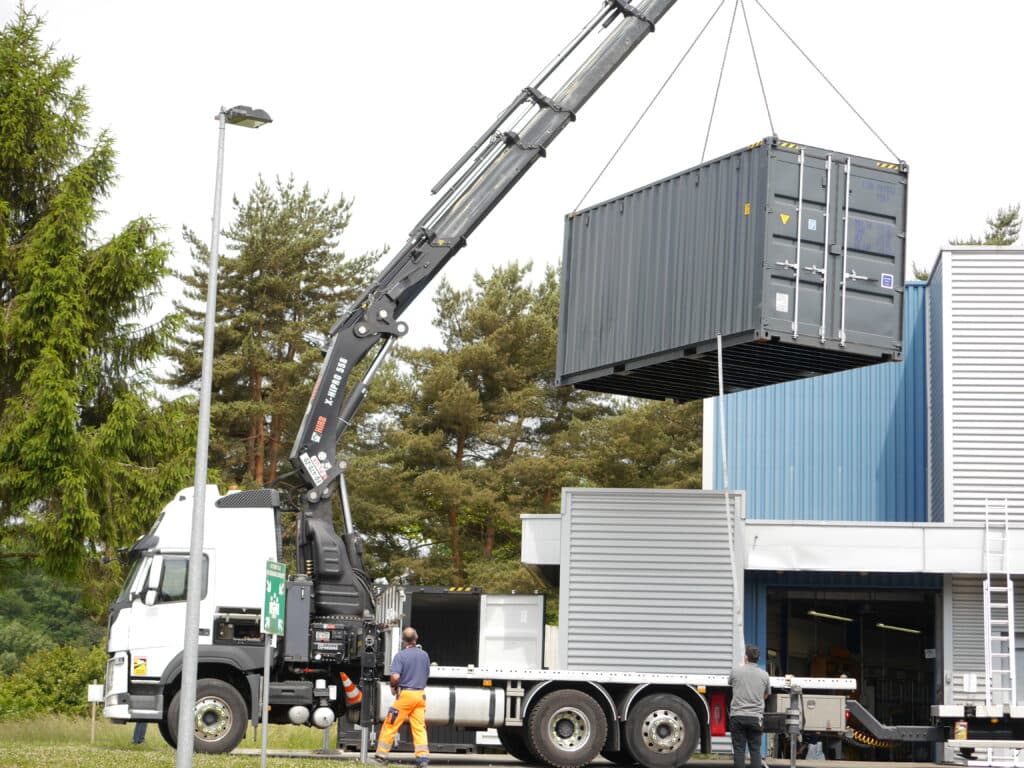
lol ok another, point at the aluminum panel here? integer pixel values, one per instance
(982, 359)
(794, 255)
(936, 398)
(512, 631)
(968, 629)
(647, 581)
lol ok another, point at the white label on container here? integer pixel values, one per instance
(782, 302)
(887, 280)
(812, 225)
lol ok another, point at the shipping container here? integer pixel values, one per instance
(793, 255)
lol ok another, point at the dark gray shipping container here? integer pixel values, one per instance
(794, 255)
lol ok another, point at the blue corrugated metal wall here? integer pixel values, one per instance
(846, 446)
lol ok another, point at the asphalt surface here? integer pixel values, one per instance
(478, 760)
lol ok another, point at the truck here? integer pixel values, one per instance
(331, 636)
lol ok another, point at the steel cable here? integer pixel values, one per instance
(649, 105)
(830, 83)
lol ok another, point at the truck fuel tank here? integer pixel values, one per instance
(471, 707)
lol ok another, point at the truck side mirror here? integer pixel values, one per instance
(149, 597)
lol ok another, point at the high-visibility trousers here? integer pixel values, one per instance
(411, 706)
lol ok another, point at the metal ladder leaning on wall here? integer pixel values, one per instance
(997, 594)
(1000, 648)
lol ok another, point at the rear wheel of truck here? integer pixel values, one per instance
(513, 740)
(566, 729)
(662, 731)
(220, 716)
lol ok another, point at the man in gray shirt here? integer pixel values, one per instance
(410, 670)
(750, 687)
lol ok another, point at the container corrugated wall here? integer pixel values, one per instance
(849, 446)
(646, 581)
(981, 357)
(794, 255)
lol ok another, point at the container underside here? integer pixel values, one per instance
(683, 377)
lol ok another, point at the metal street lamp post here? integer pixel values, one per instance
(250, 118)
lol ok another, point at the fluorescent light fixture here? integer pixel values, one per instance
(908, 630)
(820, 615)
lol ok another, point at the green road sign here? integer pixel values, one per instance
(273, 599)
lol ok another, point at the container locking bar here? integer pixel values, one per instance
(846, 235)
(824, 268)
(799, 235)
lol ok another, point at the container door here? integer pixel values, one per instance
(835, 249)
(868, 254)
(796, 229)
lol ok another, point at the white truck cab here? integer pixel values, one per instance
(147, 621)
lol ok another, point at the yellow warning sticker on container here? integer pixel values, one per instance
(784, 217)
(139, 665)
(746, 209)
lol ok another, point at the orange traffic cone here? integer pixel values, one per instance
(352, 694)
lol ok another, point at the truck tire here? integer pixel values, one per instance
(165, 732)
(662, 731)
(513, 740)
(220, 716)
(618, 756)
(566, 729)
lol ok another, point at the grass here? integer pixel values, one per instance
(62, 742)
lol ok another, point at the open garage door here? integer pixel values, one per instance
(886, 639)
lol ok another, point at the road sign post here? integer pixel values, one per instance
(272, 622)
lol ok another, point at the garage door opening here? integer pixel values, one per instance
(886, 639)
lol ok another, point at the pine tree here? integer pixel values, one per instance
(1003, 229)
(280, 284)
(87, 454)
(464, 445)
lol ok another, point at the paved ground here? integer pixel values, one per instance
(504, 761)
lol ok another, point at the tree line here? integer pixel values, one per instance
(97, 400)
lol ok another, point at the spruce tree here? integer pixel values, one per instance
(87, 453)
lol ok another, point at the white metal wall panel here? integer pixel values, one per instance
(968, 641)
(983, 367)
(512, 631)
(936, 401)
(968, 635)
(647, 580)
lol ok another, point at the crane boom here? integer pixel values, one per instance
(482, 177)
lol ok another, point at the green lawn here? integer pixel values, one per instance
(61, 742)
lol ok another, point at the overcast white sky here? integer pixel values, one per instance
(375, 100)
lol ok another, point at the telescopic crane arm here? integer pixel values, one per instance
(482, 177)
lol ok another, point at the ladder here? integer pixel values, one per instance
(997, 594)
(1000, 650)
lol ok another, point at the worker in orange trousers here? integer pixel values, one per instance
(410, 670)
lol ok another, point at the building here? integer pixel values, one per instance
(866, 494)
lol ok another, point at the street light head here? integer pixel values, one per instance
(246, 116)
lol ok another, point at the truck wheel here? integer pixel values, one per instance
(220, 716)
(662, 731)
(165, 731)
(566, 729)
(618, 756)
(514, 742)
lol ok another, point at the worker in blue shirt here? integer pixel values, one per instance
(410, 670)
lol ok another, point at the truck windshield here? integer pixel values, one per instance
(133, 576)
